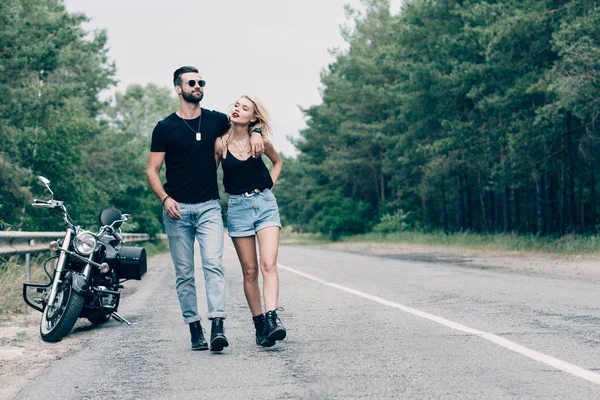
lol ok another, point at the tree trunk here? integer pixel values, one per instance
(484, 218)
(468, 208)
(593, 215)
(516, 208)
(540, 204)
(460, 206)
(562, 202)
(381, 176)
(444, 208)
(581, 208)
(492, 209)
(570, 178)
(550, 211)
(532, 210)
(506, 209)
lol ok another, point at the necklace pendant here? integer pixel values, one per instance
(198, 136)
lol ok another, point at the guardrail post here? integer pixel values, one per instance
(27, 267)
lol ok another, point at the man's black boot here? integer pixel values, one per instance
(273, 327)
(198, 341)
(217, 335)
(261, 337)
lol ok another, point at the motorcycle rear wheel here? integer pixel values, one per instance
(58, 319)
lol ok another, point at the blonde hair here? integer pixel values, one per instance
(262, 122)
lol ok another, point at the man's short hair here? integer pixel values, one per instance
(180, 71)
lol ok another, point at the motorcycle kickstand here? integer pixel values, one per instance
(119, 318)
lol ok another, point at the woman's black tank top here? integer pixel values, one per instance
(243, 176)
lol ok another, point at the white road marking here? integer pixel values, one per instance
(507, 344)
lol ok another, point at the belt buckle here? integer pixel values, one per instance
(251, 193)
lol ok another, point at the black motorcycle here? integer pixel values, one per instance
(87, 279)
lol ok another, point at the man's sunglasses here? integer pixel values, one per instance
(200, 83)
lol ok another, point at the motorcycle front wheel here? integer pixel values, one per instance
(59, 318)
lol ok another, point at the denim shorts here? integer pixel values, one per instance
(246, 215)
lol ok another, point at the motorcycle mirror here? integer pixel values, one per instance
(43, 181)
(127, 217)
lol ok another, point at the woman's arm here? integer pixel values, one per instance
(275, 158)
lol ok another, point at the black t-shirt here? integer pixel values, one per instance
(243, 176)
(191, 169)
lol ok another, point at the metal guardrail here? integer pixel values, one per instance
(13, 243)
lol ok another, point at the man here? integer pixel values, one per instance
(185, 142)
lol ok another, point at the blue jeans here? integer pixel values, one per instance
(201, 221)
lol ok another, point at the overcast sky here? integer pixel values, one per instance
(273, 49)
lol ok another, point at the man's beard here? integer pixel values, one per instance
(191, 98)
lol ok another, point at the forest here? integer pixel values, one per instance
(455, 116)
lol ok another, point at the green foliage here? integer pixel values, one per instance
(336, 215)
(52, 122)
(51, 74)
(466, 115)
(390, 223)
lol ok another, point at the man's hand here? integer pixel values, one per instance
(172, 208)
(257, 145)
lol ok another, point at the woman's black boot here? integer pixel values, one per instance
(273, 327)
(261, 337)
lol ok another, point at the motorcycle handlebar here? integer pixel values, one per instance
(46, 203)
(42, 203)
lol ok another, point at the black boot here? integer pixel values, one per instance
(198, 341)
(217, 335)
(261, 337)
(273, 327)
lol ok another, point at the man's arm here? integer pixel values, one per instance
(218, 151)
(257, 144)
(155, 162)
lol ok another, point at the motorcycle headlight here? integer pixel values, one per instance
(85, 243)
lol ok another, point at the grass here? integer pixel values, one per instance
(12, 277)
(153, 247)
(289, 237)
(566, 245)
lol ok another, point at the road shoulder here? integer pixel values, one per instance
(570, 266)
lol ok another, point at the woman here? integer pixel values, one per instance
(253, 213)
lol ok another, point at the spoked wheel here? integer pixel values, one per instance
(59, 318)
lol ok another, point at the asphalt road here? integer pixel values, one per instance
(358, 327)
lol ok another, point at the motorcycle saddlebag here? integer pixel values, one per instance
(132, 262)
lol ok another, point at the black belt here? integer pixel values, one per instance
(252, 192)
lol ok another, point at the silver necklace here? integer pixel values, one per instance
(240, 145)
(198, 134)
(241, 141)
